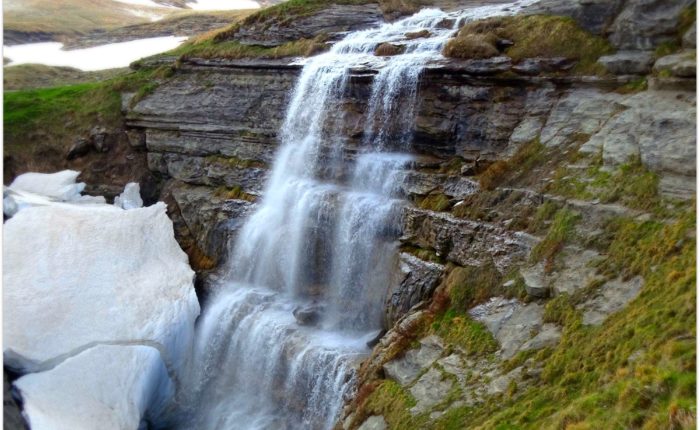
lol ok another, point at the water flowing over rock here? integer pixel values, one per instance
(323, 236)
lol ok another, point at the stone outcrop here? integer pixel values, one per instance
(336, 18)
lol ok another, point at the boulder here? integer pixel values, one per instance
(375, 422)
(107, 387)
(690, 37)
(628, 62)
(644, 24)
(681, 65)
(417, 281)
(308, 315)
(80, 148)
(536, 284)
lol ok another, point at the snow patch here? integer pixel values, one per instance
(106, 387)
(130, 198)
(224, 4)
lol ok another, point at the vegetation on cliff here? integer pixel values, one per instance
(532, 36)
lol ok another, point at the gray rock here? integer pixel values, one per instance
(644, 24)
(628, 62)
(500, 384)
(612, 297)
(549, 335)
(659, 127)
(681, 65)
(404, 370)
(579, 112)
(12, 415)
(375, 422)
(417, 281)
(80, 148)
(537, 65)
(577, 270)
(309, 314)
(690, 38)
(593, 15)
(429, 391)
(511, 322)
(535, 282)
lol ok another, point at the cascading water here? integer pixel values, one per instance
(320, 245)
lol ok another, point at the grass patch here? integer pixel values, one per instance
(560, 232)
(459, 330)
(34, 76)
(393, 402)
(423, 253)
(435, 202)
(231, 49)
(497, 173)
(533, 36)
(631, 185)
(472, 285)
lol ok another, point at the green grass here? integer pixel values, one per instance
(393, 402)
(210, 48)
(459, 330)
(528, 155)
(33, 76)
(472, 285)
(560, 232)
(435, 202)
(533, 36)
(234, 193)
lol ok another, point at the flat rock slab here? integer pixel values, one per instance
(404, 370)
(106, 387)
(429, 390)
(612, 297)
(375, 422)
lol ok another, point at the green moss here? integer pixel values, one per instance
(435, 202)
(527, 156)
(469, 286)
(236, 162)
(533, 36)
(234, 193)
(631, 184)
(393, 402)
(636, 86)
(559, 233)
(459, 330)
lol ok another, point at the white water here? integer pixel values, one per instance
(322, 238)
(110, 56)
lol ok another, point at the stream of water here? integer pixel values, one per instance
(321, 244)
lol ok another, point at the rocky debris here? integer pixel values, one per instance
(334, 19)
(130, 198)
(659, 128)
(105, 287)
(500, 384)
(80, 148)
(309, 314)
(430, 390)
(611, 297)
(79, 393)
(404, 370)
(535, 283)
(628, 62)
(681, 65)
(375, 422)
(417, 281)
(513, 324)
(464, 242)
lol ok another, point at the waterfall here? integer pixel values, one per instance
(308, 274)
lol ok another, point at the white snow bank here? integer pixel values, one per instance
(105, 387)
(76, 275)
(60, 186)
(223, 4)
(130, 198)
(110, 56)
